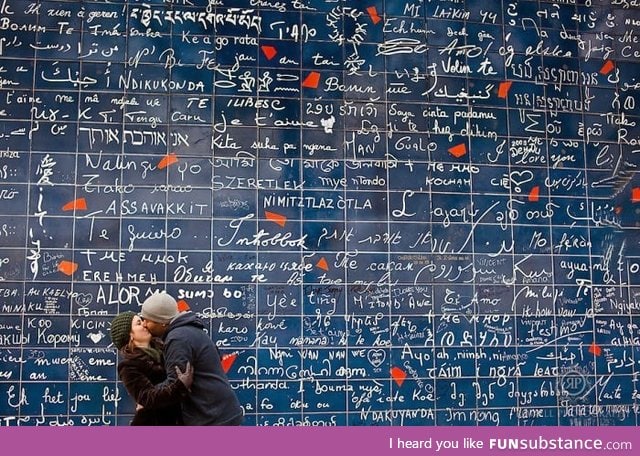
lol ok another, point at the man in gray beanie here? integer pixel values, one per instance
(212, 401)
(160, 307)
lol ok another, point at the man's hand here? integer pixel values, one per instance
(185, 377)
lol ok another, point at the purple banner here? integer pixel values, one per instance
(311, 441)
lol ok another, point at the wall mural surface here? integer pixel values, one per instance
(406, 212)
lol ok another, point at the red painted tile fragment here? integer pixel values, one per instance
(322, 264)
(398, 375)
(167, 160)
(183, 306)
(459, 150)
(79, 204)
(269, 51)
(503, 89)
(67, 267)
(607, 67)
(276, 218)
(312, 80)
(373, 14)
(227, 361)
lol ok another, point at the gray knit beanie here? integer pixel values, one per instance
(160, 308)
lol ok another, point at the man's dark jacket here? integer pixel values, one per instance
(211, 400)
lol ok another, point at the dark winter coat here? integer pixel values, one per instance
(139, 372)
(211, 400)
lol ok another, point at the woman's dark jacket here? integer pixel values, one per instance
(139, 372)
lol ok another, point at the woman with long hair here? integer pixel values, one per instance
(141, 366)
